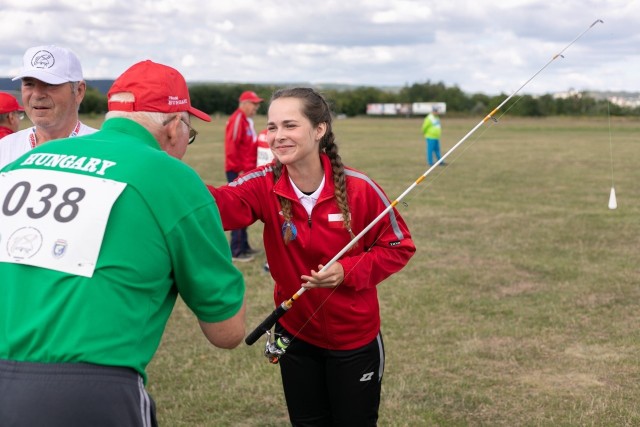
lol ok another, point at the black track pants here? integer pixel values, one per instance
(332, 388)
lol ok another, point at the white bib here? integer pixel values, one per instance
(53, 219)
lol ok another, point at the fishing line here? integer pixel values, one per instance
(613, 203)
(406, 203)
(271, 320)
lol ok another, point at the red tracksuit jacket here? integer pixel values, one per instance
(239, 144)
(349, 317)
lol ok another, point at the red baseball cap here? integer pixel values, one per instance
(250, 96)
(157, 88)
(8, 103)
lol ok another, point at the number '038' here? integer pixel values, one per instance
(64, 211)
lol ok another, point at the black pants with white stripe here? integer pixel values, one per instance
(72, 394)
(332, 388)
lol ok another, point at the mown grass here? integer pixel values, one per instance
(520, 307)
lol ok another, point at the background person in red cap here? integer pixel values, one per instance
(52, 89)
(240, 156)
(103, 232)
(10, 114)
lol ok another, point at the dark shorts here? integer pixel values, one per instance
(72, 394)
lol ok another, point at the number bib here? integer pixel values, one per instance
(54, 219)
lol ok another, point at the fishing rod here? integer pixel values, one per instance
(275, 349)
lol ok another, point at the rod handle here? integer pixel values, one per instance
(266, 324)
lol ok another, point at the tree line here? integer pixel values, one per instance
(215, 98)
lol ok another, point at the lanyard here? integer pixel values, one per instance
(32, 136)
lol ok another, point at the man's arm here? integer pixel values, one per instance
(228, 333)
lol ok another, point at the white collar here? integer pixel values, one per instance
(308, 201)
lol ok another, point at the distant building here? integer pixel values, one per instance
(571, 93)
(622, 99)
(417, 108)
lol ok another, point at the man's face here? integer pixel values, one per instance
(51, 106)
(250, 108)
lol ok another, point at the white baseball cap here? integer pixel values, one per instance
(51, 64)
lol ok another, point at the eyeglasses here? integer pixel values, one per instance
(20, 114)
(192, 132)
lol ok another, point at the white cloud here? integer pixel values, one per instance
(480, 46)
(403, 12)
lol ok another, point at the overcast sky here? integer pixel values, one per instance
(480, 46)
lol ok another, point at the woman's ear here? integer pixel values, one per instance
(321, 129)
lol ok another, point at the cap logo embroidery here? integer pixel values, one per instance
(174, 100)
(43, 59)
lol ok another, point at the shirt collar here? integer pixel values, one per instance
(131, 127)
(308, 201)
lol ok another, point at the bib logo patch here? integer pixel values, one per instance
(59, 248)
(24, 243)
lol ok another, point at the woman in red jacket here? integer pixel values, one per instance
(312, 206)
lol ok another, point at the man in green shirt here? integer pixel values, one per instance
(99, 234)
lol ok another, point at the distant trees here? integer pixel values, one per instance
(216, 98)
(223, 99)
(94, 102)
(354, 102)
(455, 99)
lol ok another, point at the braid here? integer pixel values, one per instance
(317, 110)
(285, 204)
(339, 179)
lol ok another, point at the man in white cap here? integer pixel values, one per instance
(52, 89)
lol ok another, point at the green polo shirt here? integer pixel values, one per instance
(163, 237)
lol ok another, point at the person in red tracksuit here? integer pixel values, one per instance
(10, 114)
(240, 157)
(312, 206)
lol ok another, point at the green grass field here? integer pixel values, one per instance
(520, 307)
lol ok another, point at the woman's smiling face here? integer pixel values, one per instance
(291, 136)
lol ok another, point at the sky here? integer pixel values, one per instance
(481, 46)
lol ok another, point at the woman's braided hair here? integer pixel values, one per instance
(316, 109)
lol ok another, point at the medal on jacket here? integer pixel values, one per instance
(292, 227)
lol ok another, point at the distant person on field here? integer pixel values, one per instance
(240, 156)
(52, 90)
(312, 206)
(101, 234)
(431, 129)
(10, 114)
